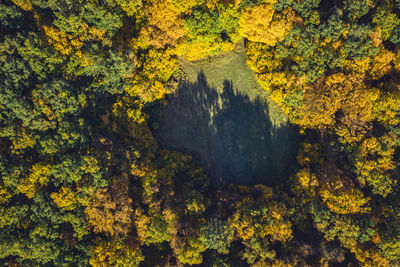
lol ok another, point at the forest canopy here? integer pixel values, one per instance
(84, 182)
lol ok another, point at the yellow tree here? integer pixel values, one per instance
(262, 24)
(108, 213)
(115, 252)
(387, 107)
(22, 141)
(381, 63)
(338, 98)
(375, 161)
(339, 192)
(152, 82)
(165, 24)
(65, 198)
(39, 176)
(275, 77)
(23, 4)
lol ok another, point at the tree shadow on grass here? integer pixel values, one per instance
(229, 135)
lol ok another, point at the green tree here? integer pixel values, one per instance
(217, 235)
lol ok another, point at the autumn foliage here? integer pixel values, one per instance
(84, 182)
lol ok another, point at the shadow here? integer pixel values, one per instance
(227, 134)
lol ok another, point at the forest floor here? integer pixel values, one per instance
(222, 117)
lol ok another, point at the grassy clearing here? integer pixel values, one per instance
(233, 67)
(224, 119)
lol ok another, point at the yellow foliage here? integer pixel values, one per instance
(396, 60)
(130, 108)
(165, 25)
(38, 177)
(142, 224)
(131, 7)
(115, 252)
(376, 36)
(305, 184)
(261, 24)
(22, 141)
(358, 66)
(382, 151)
(139, 171)
(254, 23)
(348, 135)
(156, 70)
(369, 257)
(306, 178)
(387, 107)
(195, 206)
(65, 198)
(68, 44)
(266, 221)
(91, 164)
(273, 76)
(374, 162)
(109, 214)
(99, 213)
(63, 42)
(23, 4)
(200, 49)
(243, 226)
(345, 202)
(280, 229)
(5, 194)
(382, 63)
(261, 58)
(191, 252)
(186, 6)
(341, 93)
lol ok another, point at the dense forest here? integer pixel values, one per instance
(84, 182)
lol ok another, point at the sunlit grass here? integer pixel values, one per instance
(233, 67)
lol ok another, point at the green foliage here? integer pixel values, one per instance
(257, 252)
(217, 235)
(355, 9)
(10, 18)
(158, 231)
(387, 21)
(109, 73)
(349, 231)
(203, 24)
(307, 10)
(83, 181)
(358, 44)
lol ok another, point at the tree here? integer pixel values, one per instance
(356, 9)
(262, 24)
(374, 160)
(338, 192)
(386, 108)
(23, 4)
(39, 176)
(165, 24)
(190, 253)
(386, 20)
(156, 70)
(158, 231)
(338, 98)
(217, 235)
(10, 18)
(109, 215)
(115, 252)
(358, 44)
